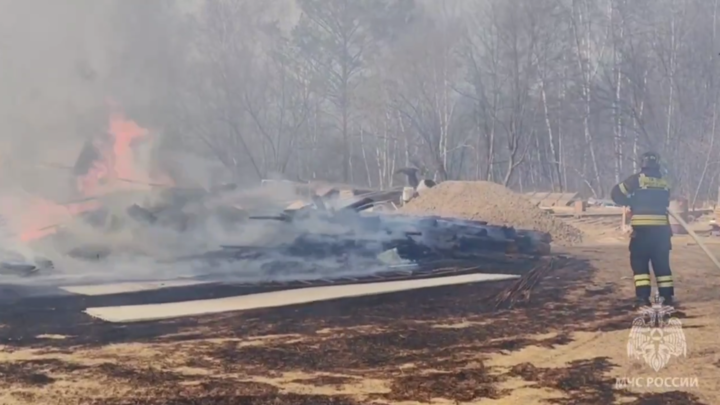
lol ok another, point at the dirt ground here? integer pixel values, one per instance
(602, 230)
(445, 345)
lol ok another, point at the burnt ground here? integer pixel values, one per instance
(443, 345)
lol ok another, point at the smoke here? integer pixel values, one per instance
(46, 100)
(78, 148)
(47, 105)
(129, 249)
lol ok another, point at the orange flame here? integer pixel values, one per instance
(118, 159)
(125, 133)
(41, 217)
(117, 162)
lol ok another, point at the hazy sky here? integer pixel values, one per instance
(44, 66)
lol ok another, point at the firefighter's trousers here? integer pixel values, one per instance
(651, 245)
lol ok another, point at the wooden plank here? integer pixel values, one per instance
(345, 194)
(137, 313)
(566, 199)
(120, 288)
(542, 195)
(550, 200)
(538, 197)
(565, 213)
(535, 201)
(589, 214)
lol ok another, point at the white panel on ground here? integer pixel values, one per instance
(129, 287)
(135, 313)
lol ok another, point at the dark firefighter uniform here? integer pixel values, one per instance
(648, 195)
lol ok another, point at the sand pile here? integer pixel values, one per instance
(491, 202)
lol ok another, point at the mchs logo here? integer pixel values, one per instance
(656, 337)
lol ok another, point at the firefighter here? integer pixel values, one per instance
(648, 195)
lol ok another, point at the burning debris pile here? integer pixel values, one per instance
(154, 224)
(311, 242)
(352, 239)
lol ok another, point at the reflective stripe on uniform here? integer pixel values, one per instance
(644, 219)
(646, 182)
(665, 281)
(642, 280)
(623, 189)
(638, 222)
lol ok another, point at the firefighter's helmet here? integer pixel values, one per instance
(650, 160)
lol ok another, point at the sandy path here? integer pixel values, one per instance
(697, 287)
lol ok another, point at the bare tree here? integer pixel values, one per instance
(534, 94)
(423, 94)
(338, 39)
(232, 45)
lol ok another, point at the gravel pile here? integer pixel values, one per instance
(493, 203)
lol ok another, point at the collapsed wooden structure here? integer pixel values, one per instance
(364, 232)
